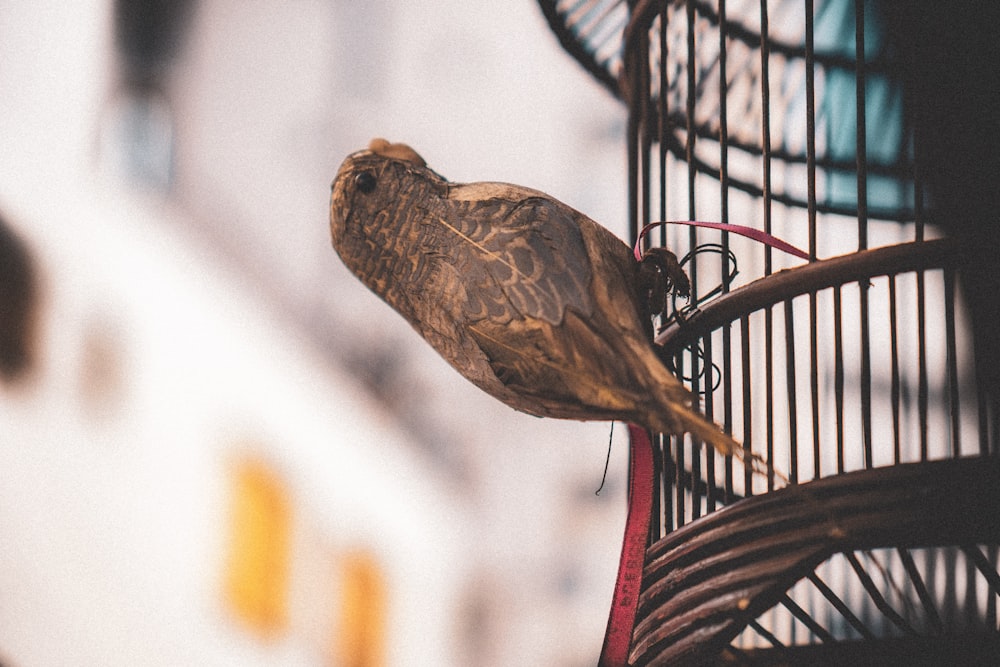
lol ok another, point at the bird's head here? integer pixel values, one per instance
(373, 189)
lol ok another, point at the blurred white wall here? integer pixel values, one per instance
(201, 315)
(157, 375)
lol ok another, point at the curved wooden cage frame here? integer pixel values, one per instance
(855, 378)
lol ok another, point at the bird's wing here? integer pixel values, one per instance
(526, 280)
(520, 260)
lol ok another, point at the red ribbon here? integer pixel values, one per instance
(621, 619)
(624, 603)
(749, 232)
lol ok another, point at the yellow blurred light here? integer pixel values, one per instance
(257, 566)
(361, 626)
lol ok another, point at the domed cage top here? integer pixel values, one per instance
(857, 376)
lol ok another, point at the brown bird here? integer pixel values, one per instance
(532, 301)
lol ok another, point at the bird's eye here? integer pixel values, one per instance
(365, 182)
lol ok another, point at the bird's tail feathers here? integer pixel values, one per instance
(688, 420)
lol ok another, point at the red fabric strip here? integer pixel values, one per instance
(621, 619)
(742, 230)
(625, 601)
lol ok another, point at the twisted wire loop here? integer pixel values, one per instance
(680, 312)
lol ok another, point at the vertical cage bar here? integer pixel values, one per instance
(982, 393)
(814, 383)
(862, 169)
(810, 64)
(663, 115)
(982, 398)
(922, 390)
(656, 530)
(727, 399)
(727, 338)
(680, 502)
(769, 394)
(838, 376)
(861, 147)
(645, 135)
(680, 456)
(691, 136)
(919, 121)
(894, 389)
(747, 406)
(707, 367)
(692, 172)
(970, 609)
(866, 375)
(696, 444)
(632, 148)
(765, 129)
(765, 102)
(793, 429)
(668, 477)
(951, 362)
(662, 491)
(814, 393)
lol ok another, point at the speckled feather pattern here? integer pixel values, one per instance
(527, 298)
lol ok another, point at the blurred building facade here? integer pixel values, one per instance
(224, 449)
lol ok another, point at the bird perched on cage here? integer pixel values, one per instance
(532, 301)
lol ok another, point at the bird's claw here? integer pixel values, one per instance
(660, 274)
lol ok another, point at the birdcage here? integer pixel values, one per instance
(870, 535)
